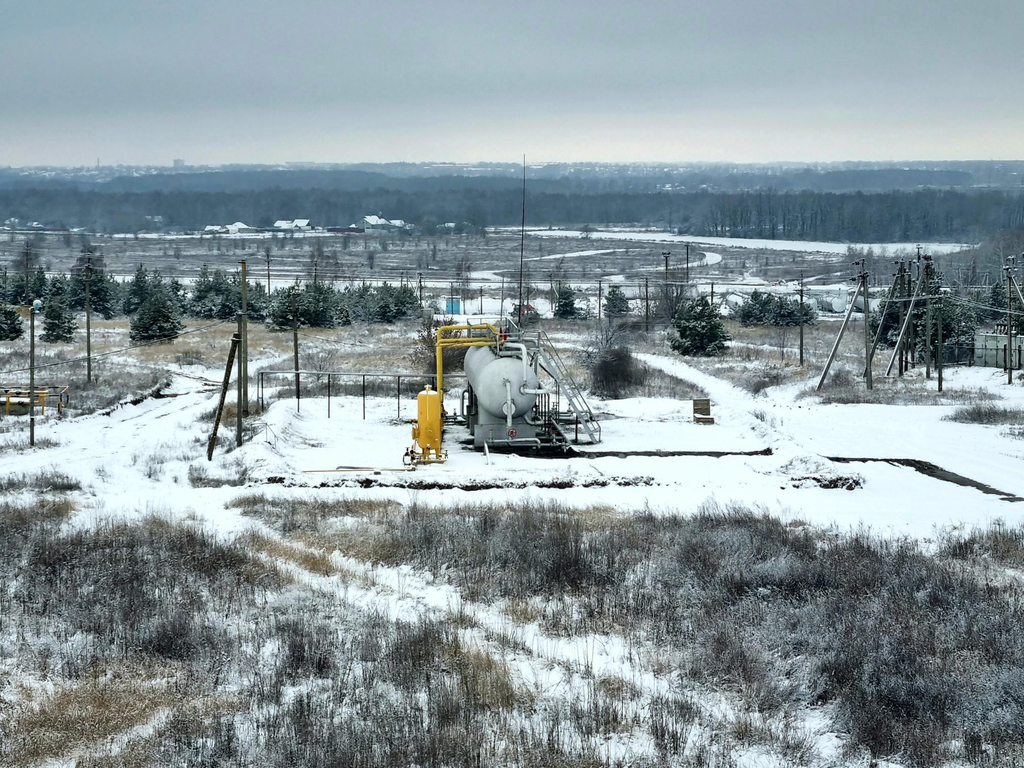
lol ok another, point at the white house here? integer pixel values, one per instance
(293, 225)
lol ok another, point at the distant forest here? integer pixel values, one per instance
(924, 214)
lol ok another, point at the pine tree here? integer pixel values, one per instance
(700, 330)
(565, 303)
(59, 324)
(136, 292)
(11, 326)
(318, 303)
(156, 319)
(616, 304)
(286, 307)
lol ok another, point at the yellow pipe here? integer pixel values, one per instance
(460, 342)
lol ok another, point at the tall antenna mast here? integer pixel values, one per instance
(522, 249)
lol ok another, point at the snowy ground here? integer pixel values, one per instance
(806, 246)
(138, 457)
(770, 452)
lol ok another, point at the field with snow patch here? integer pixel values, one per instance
(812, 580)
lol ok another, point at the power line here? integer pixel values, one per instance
(117, 351)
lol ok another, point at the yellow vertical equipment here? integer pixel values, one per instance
(426, 448)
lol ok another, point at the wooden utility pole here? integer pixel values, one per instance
(88, 321)
(238, 383)
(687, 263)
(235, 340)
(839, 337)
(801, 319)
(244, 319)
(599, 297)
(267, 251)
(295, 353)
(419, 279)
(928, 317)
(939, 356)
(32, 375)
(902, 293)
(867, 326)
(481, 300)
(647, 305)
(1009, 325)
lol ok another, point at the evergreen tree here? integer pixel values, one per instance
(156, 319)
(136, 292)
(318, 303)
(286, 307)
(616, 304)
(699, 328)
(59, 324)
(565, 303)
(768, 309)
(11, 326)
(103, 289)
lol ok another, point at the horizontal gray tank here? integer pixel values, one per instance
(487, 374)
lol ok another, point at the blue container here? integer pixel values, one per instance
(452, 305)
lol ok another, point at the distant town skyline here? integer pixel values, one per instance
(742, 81)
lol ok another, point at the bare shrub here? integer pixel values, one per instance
(616, 373)
(986, 413)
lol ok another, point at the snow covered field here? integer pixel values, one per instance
(541, 660)
(800, 246)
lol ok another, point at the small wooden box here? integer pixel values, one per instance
(702, 411)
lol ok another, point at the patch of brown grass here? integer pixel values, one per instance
(309, 560)
(89, 712)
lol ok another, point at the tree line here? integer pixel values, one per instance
(899, 216)
(156, 305)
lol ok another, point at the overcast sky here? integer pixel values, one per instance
(145, 81)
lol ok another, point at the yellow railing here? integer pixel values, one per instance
(17, 400)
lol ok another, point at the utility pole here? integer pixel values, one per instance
(801, 319)
(36, 305)
(687, 263)
(88, 321)
(267, 251)
(1009, 325)
(223, 394)
(647, 305)
(939, 356)
(867, 325)
(902, 292)
(928, 317)
(481, 300)
(295, 355)
(522, 252)
(839, 336)
(419, 279)
(245, 341)
(238, 386)
(599, 301)
(666, 254)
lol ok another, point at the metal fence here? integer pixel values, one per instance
(347, 383)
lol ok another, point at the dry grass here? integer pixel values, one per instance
(309, 560)
(98, 708)
(846, 388)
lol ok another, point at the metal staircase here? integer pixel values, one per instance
(551, 362)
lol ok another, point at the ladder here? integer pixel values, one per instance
(551, 362)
